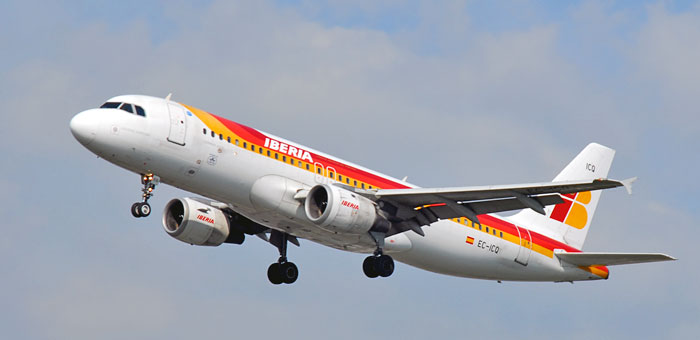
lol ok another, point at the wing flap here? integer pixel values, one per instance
(611, 259)
(491, 206)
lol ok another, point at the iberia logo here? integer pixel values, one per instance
(573, 211)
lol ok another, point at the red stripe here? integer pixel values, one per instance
(539, 239)
(256, 137)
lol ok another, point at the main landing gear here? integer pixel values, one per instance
(378, 264)
(143, 209)
(282, 271)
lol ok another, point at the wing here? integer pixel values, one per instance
(610, 259)
(412, 208)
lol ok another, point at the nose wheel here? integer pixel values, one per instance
(140, 209)
(143, 209)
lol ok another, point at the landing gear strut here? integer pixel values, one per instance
(143, 209)
(378, 264)
(282, 271)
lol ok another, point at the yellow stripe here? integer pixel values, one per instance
(212, 123)
(596, 271)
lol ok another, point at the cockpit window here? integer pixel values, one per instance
(140, 111)
(127, 107)
(110, 105)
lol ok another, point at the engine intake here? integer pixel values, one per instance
(340, 210)
(194, 222)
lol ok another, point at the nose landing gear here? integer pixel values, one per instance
(143, 209)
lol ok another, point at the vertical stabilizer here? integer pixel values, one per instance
(569, 221)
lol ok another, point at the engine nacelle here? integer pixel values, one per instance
(340, 210)
(197, 223)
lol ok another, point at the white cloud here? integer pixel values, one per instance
(666, 55)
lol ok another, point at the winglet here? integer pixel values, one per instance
(627, 183)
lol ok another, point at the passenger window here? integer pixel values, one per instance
(307, 167)
(204, 130)
(245, 145)
(213, 134)
(354, 183)
(268, 153)
(291, 161)
(501, 234)
(127, 107)
(110, 105)
(318, 170)
(140, 111)
(221, 136)
(340, 178)
(487, 230)
(237, 142)
(331, 175)
(252, 147)
(260, 150)
(347, 180)
(284, 159)
(277, 156)
(228, 139)
(363, 185)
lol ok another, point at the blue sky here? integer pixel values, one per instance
(448, 93)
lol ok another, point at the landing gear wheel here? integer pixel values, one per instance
(135, 210)
(274, 274)
(384, 265)
(144, 209)
(289, 272)
(368, 266)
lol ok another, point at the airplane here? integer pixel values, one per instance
(254, 183)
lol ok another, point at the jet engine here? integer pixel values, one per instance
(339, 210)
(197, 223)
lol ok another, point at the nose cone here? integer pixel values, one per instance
(84, 126)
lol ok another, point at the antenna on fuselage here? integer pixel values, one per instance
(167, 99)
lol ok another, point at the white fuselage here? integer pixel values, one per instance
(175, 142)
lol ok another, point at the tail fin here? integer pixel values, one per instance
(569, 221)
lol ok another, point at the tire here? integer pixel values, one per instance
(369, 267)
(144, 209)
(135, 210)
(289, 272)
(274, 274)
(385, 265)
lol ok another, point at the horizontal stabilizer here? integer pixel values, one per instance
(611, 259)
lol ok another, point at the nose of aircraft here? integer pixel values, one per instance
(84, 126)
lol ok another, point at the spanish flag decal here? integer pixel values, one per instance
(470, 240)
